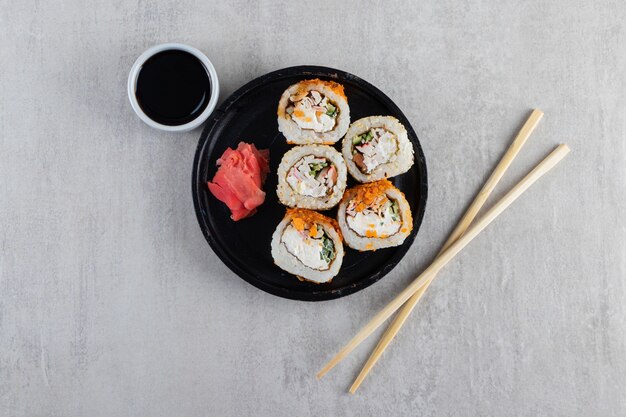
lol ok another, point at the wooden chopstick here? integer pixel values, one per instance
(461, 227)
(542, 168)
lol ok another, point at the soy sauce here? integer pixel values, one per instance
(173, 87)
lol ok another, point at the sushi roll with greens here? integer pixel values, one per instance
(377, 147)
(312, 177)
(374, 216)
(313, 111)
(308, 245)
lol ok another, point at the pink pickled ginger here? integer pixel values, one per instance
(239, 179)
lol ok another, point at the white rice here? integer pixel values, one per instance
(404, 155)
(290, 197)
(298, 136)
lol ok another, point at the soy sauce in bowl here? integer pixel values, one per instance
(173, 87)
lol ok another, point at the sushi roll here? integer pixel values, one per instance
(313, 111)
(374, 216)
(377, 147)
(312, 177)
(308, 245)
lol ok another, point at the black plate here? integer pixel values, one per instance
(249, 115)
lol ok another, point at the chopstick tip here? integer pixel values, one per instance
(536, 114)
(562, 149)
(353, 388)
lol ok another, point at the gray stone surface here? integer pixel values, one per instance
(112, 304)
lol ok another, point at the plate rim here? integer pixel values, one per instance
(308, 71)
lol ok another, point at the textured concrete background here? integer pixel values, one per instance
(112, 304)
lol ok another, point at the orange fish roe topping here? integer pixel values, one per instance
(303, 219)
(366, 194)
(371, 233)
(305, 86)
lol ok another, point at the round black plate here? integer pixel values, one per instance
(249, 115)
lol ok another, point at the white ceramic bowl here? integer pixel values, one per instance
(132, 84)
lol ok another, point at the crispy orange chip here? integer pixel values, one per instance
(303, 219)
(331, 85)
(365, 194)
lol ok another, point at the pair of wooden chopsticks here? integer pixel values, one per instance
(460, 237)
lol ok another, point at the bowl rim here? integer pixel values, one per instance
(134, 74)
